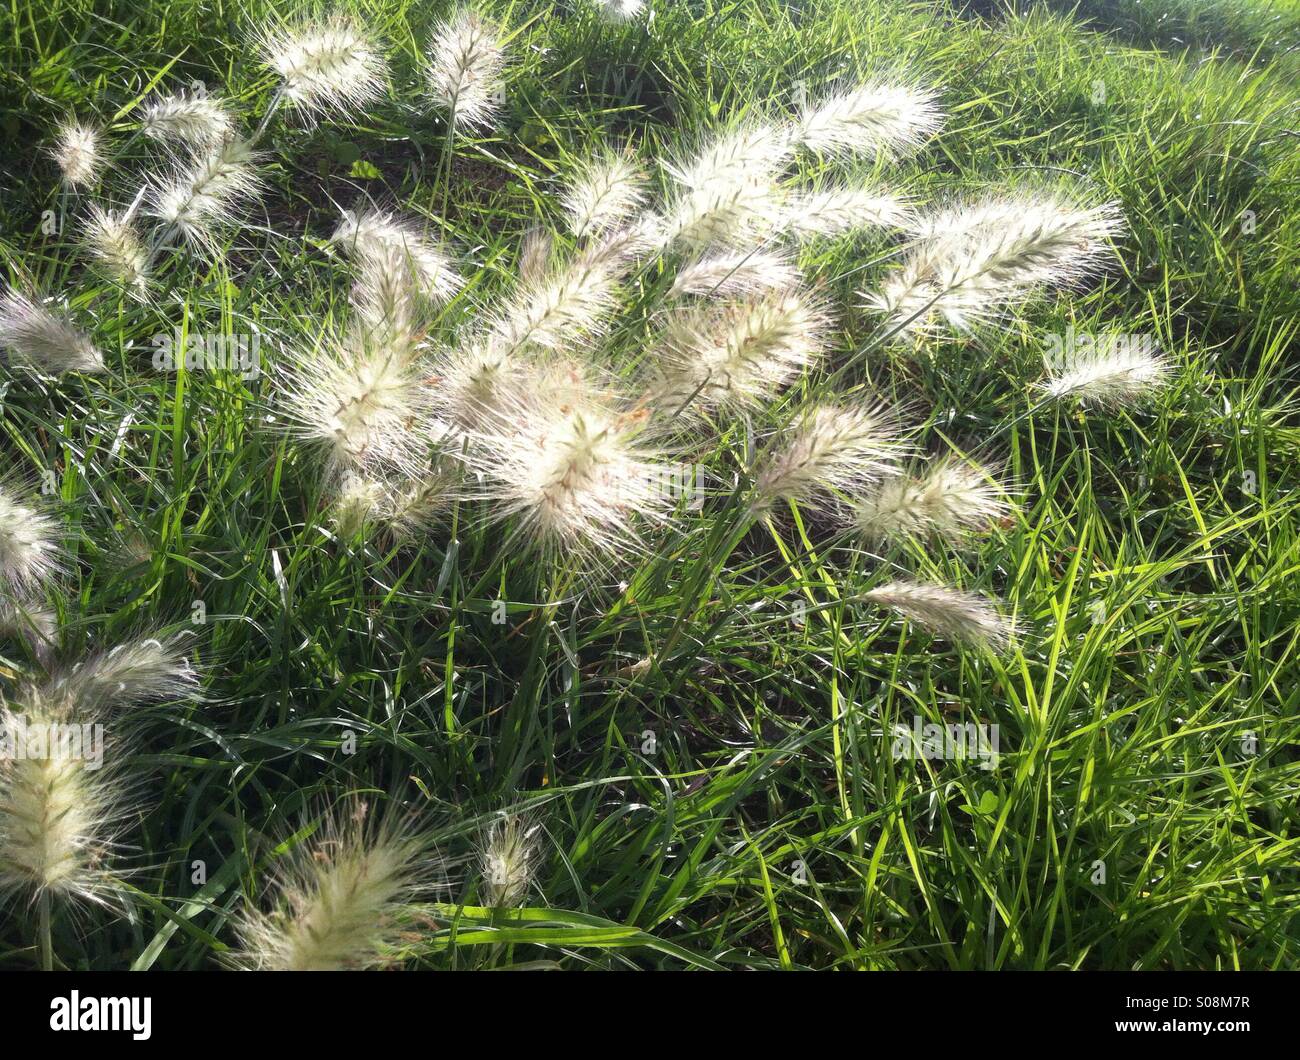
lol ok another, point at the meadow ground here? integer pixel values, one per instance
(704, 732)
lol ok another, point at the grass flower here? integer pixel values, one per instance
(340, 903)
(466, 62)
(1107, 375)
(135, 672)
(959, 616)
(564, 304)
(975, 260)
(535, 253)
(602, 194)
(948, 499)
(365, 404)
(735, 273)
(115, 245)
(576, 477)
(875, 118)
(385, 303)
(739, 354)
(78, 154)
(60, 813)
(726, 192)
(508, 855)
(404, 505)
(836, 210)
(30, 556)
(371, 234)
(834, 448)
(199, 198)
(196, 120)
(44, 338)
(330, 65)
(619, 10)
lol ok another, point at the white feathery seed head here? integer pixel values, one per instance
(738, 354)
(115, 245)
(833, 448)
(735, 273)
(874, 118)
(385, 303)
(477, 383)
(33, 622)
(508, 855)
(1110, 376)
(619, 10)
(339, 902)
(466, 63)
(535, 251)
(60, 812)
(204, 194)
(367, 405)
(726, 193)
(566, 303)
(330, 65)
(575, 474)
(30, 556)
(836, 210)
(959, 616)
(197, 120)
(78, 154)
(404, 506)
(45, 338)
(602, 193)
(373, 233)
(975, 260)
(947, 499)
(135, 672)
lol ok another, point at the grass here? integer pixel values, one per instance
(734, 803)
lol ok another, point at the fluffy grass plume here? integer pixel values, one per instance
(326, 65)
(603, 193)
(844, 208)
(1110, 376)
(573, 472)
(619, 10)
(466, 62)
(59, 814)
(873, 118)
(725, 192)
(44, 338)
(948, 499)
(404, 506)
(976, 259)
(370, 234)
(832, 449)
(739, 354)
(196, 119)
(567, 303)
(30, 557)
(198, 199)
(116, 247)
(736, 273)
(508, 855)
(958, 616)
(339, 902)
(145, 670)
(367, 405)
(78, 153)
